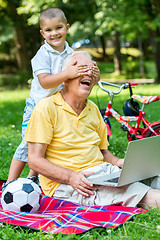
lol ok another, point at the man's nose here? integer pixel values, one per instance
(89, 72)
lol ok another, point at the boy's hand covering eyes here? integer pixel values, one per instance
(74, 70)
(96, 72)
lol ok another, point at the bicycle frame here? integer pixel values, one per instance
(135, 132)
(123, 120)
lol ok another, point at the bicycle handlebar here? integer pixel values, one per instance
(134, 83)
(123, 86)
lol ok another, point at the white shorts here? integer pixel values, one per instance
(128, 195)
(21, 152)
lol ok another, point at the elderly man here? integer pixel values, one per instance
(68, 142)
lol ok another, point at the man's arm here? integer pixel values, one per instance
(110, 158)
(37, 162)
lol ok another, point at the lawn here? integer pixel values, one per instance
(144, 226)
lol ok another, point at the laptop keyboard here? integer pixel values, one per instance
(114, 180)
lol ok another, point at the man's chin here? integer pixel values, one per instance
(85, 92)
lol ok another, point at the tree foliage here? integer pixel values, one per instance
(137, 22)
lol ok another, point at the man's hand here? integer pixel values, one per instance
(110, 158)
(119, 162)
(80, 183)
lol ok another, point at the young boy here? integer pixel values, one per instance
(47, 77)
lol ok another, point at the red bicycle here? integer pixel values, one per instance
(132, 111)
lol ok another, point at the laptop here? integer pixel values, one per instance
(142, 160)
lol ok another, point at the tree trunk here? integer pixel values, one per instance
(103, 43)
(156, 51)
(156, 57)
(141, 62)
(156, 41)
(20, 41)
(35, 42)
(117, 53)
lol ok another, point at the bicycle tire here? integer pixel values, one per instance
(156, 128)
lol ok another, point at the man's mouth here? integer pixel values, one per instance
(86, 82)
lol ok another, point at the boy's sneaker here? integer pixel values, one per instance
(35, 179)
(4, 185)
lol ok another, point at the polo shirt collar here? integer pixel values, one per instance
(50, 49)
(58, 99)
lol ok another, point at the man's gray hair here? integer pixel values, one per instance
(68, 60)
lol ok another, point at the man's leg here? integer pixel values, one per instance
(129, 195)
(151, 199)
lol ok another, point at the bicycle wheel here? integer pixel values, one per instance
(156, 128)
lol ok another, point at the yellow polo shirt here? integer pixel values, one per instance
(74, 141)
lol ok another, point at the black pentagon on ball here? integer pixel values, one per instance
(8, 197)
(27, 187)
(26, 208)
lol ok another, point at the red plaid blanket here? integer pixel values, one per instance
(62, 216)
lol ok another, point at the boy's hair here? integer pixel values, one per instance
(68, 60)
(52, 12)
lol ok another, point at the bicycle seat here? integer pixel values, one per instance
(145, 99)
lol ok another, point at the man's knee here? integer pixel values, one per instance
(151, 199)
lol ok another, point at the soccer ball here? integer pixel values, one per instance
(21, 195)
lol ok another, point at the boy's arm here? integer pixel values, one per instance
(48, 81)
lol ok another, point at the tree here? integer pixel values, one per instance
(152, 10)
(19, 38)
(108, 22)
(21, 32)
(105, 19)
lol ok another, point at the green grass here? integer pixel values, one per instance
(12, 104)
(144, 226)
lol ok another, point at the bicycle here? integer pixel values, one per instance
(132, 114)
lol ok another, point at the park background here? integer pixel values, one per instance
(124, 39)
(124, 36)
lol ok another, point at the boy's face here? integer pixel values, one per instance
(54, 31)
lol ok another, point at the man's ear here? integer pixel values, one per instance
(66, 82)
(41, 32)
